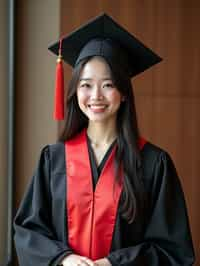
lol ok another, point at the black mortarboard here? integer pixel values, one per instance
(111, 40)
(102, 36)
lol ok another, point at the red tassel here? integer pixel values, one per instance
(59, 89)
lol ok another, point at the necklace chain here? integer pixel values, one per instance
(105, 144)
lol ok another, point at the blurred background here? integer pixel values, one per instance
(167, 96)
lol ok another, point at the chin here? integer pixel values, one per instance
(101, 119)
(97, 120)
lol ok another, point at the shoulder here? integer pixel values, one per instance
(56, 148)
(53, 146)
(54, 156)
(151, 149)
(156, 163)
(153, 153)
(52, 150)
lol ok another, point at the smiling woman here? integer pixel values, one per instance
(103, 195)
(98, 97)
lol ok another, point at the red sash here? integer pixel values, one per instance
(91, 214)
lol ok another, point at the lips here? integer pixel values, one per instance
(97, 107)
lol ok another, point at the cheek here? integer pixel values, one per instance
(115, 97)
(81, 97)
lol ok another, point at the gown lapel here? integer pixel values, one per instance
(91, 213)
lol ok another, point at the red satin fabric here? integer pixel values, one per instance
(59, 93)
(91, 214)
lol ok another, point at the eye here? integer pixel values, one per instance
(108, 85)
(85, 85)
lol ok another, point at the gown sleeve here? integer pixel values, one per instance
(35, 240)
(167, 238)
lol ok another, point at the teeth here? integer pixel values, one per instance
(97, 106)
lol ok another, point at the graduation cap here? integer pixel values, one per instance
(101, 36)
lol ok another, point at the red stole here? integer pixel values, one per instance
(91, 214)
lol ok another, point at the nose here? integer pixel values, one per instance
(96, 93)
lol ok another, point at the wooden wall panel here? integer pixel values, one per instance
(168, 95)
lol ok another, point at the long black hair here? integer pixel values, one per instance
(128, 156)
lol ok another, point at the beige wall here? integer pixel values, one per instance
(3, 130)
(38, 26)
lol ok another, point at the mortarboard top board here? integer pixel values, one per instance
(102, 36)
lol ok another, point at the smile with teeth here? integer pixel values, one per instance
(97, 107)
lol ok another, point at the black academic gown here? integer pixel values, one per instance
(161, 238)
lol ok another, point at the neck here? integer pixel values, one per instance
(101, 134)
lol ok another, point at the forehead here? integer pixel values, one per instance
(96, 67)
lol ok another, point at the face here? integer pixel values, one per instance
(98, 98)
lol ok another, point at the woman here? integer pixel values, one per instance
(103, 195)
